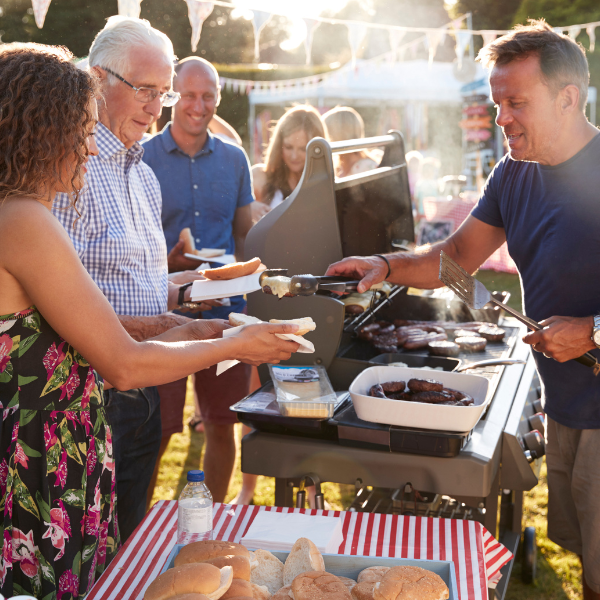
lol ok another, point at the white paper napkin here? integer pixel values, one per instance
(279, 531)
(306, 347)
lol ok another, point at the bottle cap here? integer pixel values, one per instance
(195, 476)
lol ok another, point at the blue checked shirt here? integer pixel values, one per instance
(119, 237)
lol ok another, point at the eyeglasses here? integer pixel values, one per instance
(146, 95)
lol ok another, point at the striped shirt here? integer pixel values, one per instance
(119, 237)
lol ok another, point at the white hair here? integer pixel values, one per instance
(112, 45)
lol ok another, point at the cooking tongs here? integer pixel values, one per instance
(307, 285)
(475, 295)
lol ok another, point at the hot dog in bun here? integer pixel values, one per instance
(233, 270)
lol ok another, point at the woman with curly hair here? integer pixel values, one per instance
(284, 159)
(57, 481)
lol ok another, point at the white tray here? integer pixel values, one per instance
(418, 414)
(343, 565)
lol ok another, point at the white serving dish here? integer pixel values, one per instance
(418, 414)
(344, 565)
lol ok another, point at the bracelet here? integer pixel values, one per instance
(181, 294)
(387, 262)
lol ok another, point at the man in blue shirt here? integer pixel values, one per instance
(542, 198)
(206, 185)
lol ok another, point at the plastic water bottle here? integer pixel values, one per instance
(194, 511)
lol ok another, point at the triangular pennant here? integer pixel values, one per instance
(557, 30)
(129, 8)
(259, 19)
(40, 8)
(488, 37)
(574, 31)
(463, 39)
(434, 39)
(396, 37)
(356, 35)
(591, 31)
(198, 12)
(311, 25)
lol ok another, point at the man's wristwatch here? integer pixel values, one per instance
(180, 298)
(596, 331)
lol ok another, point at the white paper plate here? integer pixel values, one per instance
(208, 289)
(418, 414)
(225, 259)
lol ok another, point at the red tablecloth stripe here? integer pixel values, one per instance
(477, 556)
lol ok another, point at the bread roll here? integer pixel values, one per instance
(267, 570)
(260, 592)
(188, 241)
(406, 583)
(201, 551)
(189, 597)
(233, 270)
(238, 319)
(306, 324)
(349, 583)
(372, 574)
(238, 587)
(191, 578)
(239, 564)
(319, 585)
(304, 556)
(283, 593)
(363, 590)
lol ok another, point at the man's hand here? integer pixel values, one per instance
(369, 269)
(259, 210)
(177, 261)
(563, 338)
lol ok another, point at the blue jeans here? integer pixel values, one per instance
(134, 417)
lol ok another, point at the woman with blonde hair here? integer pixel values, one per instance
(284, 159)
(344, 123)
(60, 340)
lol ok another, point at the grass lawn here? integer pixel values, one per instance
(558, 574)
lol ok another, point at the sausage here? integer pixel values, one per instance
(377, 391)
(401, 338)
(432, 397)
(414, 342)
(387, 339)
(386, 349)
(425, 385)
(393, 386)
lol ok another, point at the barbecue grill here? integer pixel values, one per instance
(394, 469)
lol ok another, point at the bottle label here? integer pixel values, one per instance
(195, 520)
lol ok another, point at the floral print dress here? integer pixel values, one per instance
(57, 473)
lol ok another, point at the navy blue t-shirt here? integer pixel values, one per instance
(551, 216)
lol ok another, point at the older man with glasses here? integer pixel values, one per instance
(120, 239)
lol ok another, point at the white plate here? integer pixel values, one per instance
(225, 259)
(418, 414)
(208, 289)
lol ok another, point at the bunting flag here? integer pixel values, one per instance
(591, 31)
(311, 25)
(198, 12)
(488, 37)
(434, 39)
(574, 31)
(356, 34)
(129, 8)
(396, 37)
(463, 39)
(40, 9)
(259, 19)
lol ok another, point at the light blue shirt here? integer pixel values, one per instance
(119, 235)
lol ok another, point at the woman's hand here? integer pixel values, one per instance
(258, 344)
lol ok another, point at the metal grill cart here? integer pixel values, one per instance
(478, 475)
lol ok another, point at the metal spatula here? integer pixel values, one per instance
(475, 295)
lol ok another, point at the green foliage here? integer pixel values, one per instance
(558, 12)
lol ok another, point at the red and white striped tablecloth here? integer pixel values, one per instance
(457, 210)
(477, 556)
